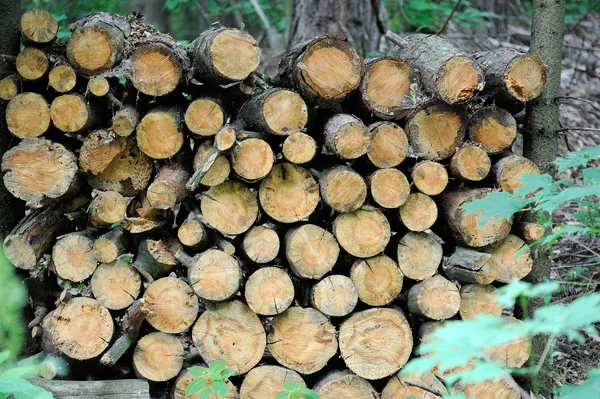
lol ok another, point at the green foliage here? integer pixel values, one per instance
(11, 329)
(575, 10)
(208, 381)
(13, 382)
(292, 390)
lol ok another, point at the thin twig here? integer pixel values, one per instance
(549, 343)
(583, 100)
(449, 18)
(9, 59)
(430, 390)
(583, 129)
(261, 14)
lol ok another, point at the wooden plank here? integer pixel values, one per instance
(116, 389)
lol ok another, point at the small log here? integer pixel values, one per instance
(389, 87)
(252, 159)
(376, 343)
(116, 285)
(168, 188)
(231, 332)
(529, 232)
(435, 131)
(513, 257)
(478, 299)
(470, 163)
(213, 275)
(334, 296)
(173, 303)
(98, 86)
(32, 64)
(508, 171)
(158, 356)
(72, 113)
(403, 386)
(494, 128)
(155, 258)
(231, 208)
(419, 255)
(261, 244)
(107, 208)
(378, 280)
(324, 70)
(223, 55)
(62, 78)
(311, 251)
(469, 229)
(469, 266)
(447, 72)
(125, 121)
(299, 148)
(309, 327)
(160, 133)
(435, 298)
(38, 171)
(130, 330)
(267, 381)
(289, 193)
(389, 146)
(363, 233)
(183, 380)
(205, 116)
(113, 389)
(269, 291)
(38, 26)
(343, 189)
(28, 115)
(506, 388)
(10, 86)
(511, 74)
(276, 111)
(389, 187)
(513, 354)
(429, 177)
(344, 384)
(128, 173)
(97, 43)
(210, 167)
(192, 232)
(419, 212)
(347, 136)
(81, 328)
(111, 245)
(100, 148)
(73, 257)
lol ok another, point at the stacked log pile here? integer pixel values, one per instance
(308, 227)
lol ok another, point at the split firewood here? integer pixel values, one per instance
(38, 26)
(494, 128)
(174, 305)
(378, 280)
(512, 257)
(478, 299)
(419, 255)
(429, 177)
(334, 296)
(269, 291)
(158, 356)
(28, 115)
(267, 381)
(447, 72)
(311, 251)
(435, 298)
(389, 145)
(306, 325)
(344, 384)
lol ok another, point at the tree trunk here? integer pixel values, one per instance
(359, 20)
(10, 12)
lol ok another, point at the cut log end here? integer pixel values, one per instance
(389, 146)
(160, 134)
(459, 79)
(400, 386)
(225, 138)
(116, 285)
(313, 329)
(99, 150)
(62, 78)
(435, 298)
(98, 86)
(28, 115)
(529, 231)
(469, 266)
(230, 332)
(73, 257)
(111, 245)
(32, 63)
(311, 251)
(95, 48)
(378, 280)
(269, 291)
(125, 121)
(185, 378)
(512, 354)
(470, 163)
(158, 356)
(478, 299)
(38, 26)
(71, 113)
(343, 189)
(510, 266)
(334, 296)
(389, 188)
(10, 86)
(107, 208)
(215, 275)
(261, 244)
(267, 381)
(419, 255)
(299, 148)
(156, 69)
(344, 384)
(509, 170)
(376, 343)
(284, 112)
(494, 128)
(204, 117)
(218, 172)
(430, 177)
(419, 212)
(174, 305)
(192, 233)
(506, 388)
(252, 159)
(347, 137)
(363, 233)
(525, 77)
(436, 131)
(234, 54)
(230, 207)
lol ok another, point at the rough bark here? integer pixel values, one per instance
(113, 389)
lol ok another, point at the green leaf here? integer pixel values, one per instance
(226, 373)
(220, 388)
(590, 388)
(290, 386)
(217, 365)
(282, 395)
(4, 355)
(205, 393)
(198, 371)
(22, 389)
(577, 158)
(310, 394)
(496, 205)
(195, 386)
(294, 395)
(115, 224)
(412, 397)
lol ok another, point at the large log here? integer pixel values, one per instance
(116, 285)
(299, 148)
(158, 356)
(269, 291)
(113, 389)
(252, 159)
(231, 208)
(494, 128)
(72, 113)
(28, 115)
(419, 255)
(334, 296)
(275, 111)
(435, 298)
(363, 233)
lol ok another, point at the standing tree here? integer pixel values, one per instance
(361, 21)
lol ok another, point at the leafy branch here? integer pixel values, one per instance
(211, 380)
(292, 390)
